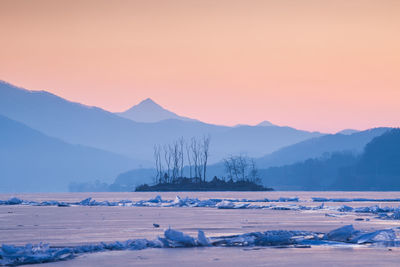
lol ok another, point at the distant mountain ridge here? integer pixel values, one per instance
(149, 111)
(377, 168)
(348, 131)
(91, 126)
(316, 147)
(261, 124)
(33, 162)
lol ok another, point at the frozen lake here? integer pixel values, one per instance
(77, 225)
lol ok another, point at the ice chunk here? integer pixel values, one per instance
(13, 201)
(202, 240)
(157, 199)
(241, 205)
(379, 236)
(29, 254)
(331, 215)
(396, 214)
(319, 199)
(363, 209)
(178, 239)
(288, 199)
(225, 204)
(63, 204)
(85, 202)
(235, 240)
(275, 238)
(345, 208)
(320, 207)
(178, 201)
(342, 234)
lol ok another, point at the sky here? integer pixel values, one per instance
(314, 65)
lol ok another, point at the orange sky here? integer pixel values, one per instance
(316, 65)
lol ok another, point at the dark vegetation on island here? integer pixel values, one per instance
(187, 184)
(375, 167)
(170, 164)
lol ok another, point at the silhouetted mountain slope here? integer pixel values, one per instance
(382, 155)
(311, 174)
(149, 111)
(31, 161)
(316, 147)
(377, 168)
(95, 127)
(348, 131)
(256, 141)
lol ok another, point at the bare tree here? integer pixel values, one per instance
(205, 147)
(228, 168)
(189, 157)
(167, 158)
(242, 165)
(181, 154)
(174, 150)
(195, 156)
(157, 157)
(237, 168)
(254, 172)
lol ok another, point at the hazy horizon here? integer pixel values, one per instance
(221, 124)
(312, 65)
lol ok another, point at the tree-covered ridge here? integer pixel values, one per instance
(377, 168)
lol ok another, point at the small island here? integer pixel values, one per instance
(241, 171)
(187, 184)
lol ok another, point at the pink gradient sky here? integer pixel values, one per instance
(310, 64)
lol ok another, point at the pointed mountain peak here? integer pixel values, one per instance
(148, 101)
(265, 123)
(149, 111)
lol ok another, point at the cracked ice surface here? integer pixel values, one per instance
(18, 255)
(229, 220)
(386, 212)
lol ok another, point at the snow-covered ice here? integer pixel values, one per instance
(18, 255)
(385, 213)
(75, 224)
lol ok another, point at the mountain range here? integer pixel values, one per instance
(336, 149)
(49, 142)
(91, 126)
(375, 168)
(318, 146)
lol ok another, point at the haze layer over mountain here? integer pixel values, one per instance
(31, 161)
(91, 126)
(316, 147)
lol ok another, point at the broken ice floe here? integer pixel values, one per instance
(322, 199)
(346, 235)
(386, 213)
